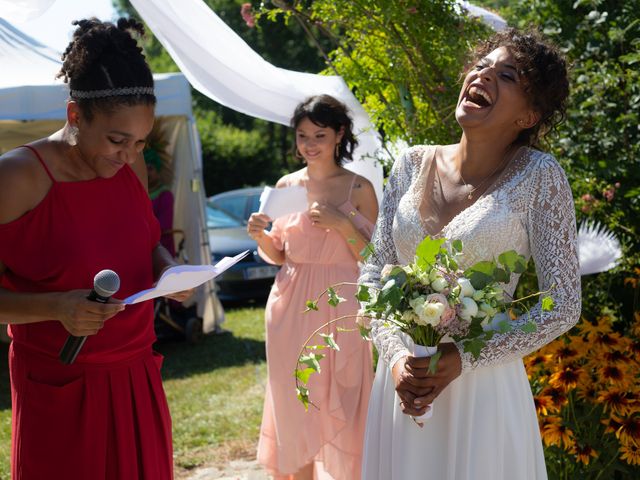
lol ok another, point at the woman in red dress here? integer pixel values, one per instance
(73, 204)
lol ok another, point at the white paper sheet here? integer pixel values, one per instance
(277, 202)
(184, 277)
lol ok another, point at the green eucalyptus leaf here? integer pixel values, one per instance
(303, 375)
(311, 305)
(329, 340)
(333, 298)
(363, 295)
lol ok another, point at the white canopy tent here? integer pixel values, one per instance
(33, 105)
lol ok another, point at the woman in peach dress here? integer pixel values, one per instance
(316, 248)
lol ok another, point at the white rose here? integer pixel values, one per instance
(432, 313)
(467, 289)
(439, 284)
(468, 308)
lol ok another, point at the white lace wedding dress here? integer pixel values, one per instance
(484, 424)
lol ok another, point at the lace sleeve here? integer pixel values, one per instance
(387, 341)
(551, 227)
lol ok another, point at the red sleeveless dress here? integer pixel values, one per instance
(106, 415)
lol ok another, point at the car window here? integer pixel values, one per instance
(234, 205)
(216, 218)
(254, 205)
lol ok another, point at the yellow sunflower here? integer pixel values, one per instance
(614, 375)
(544, 404)
(616, 401)
(629, 431)
(584, 453)
(567, 378)
(630, 454)
(555, 433)
(600, 326)
(557, 395)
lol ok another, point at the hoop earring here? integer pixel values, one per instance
(73, 135)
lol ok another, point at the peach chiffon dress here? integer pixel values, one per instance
(330, 437)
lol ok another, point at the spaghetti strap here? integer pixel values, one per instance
(353, 181)
(44, 165)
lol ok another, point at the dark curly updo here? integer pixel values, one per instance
(326, 111)
(543, 69)
(106, 56)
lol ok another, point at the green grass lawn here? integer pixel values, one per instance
(215, 391)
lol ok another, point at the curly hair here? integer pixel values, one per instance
(326, 111)
(103, 56)
(543, 69)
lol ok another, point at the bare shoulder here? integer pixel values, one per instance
(290, 179)
(363, 190)
(23, 184)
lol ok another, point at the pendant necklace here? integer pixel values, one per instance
(473, 189)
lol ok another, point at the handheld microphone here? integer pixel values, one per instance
(105, 284)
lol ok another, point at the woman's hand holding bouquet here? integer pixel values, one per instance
(429, 300)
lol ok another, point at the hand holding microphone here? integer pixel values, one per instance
(84, 312)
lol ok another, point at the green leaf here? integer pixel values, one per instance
(427, 250)
(312, 360)
(365, 332)
(330, 341)
(311, 305)
(504, 326)
(303, 395)
(474, 347)
(529, 327)
(480, 274)
(367, 251)
(363, 295)
(303, 375)
(500, 275)
(457, 245)
(334, 299)
(390, 295)
(547, 304)
(433, 362)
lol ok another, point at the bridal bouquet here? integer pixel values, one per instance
(430, 299)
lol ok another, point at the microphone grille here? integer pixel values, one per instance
(106, 283)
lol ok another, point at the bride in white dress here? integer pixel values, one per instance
(495, 193)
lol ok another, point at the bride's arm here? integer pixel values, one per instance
(387, 341)
(551, 226)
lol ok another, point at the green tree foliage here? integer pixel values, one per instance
(267, 154)
(402, 58)
(599, 143)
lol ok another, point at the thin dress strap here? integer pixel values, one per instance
(353, 181)
(44, 165)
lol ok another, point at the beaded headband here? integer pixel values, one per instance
(112, 92)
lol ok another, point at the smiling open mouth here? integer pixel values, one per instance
(478, 97)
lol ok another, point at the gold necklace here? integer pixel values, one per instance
(473, 189)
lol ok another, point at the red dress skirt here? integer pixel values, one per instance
(106, 415)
